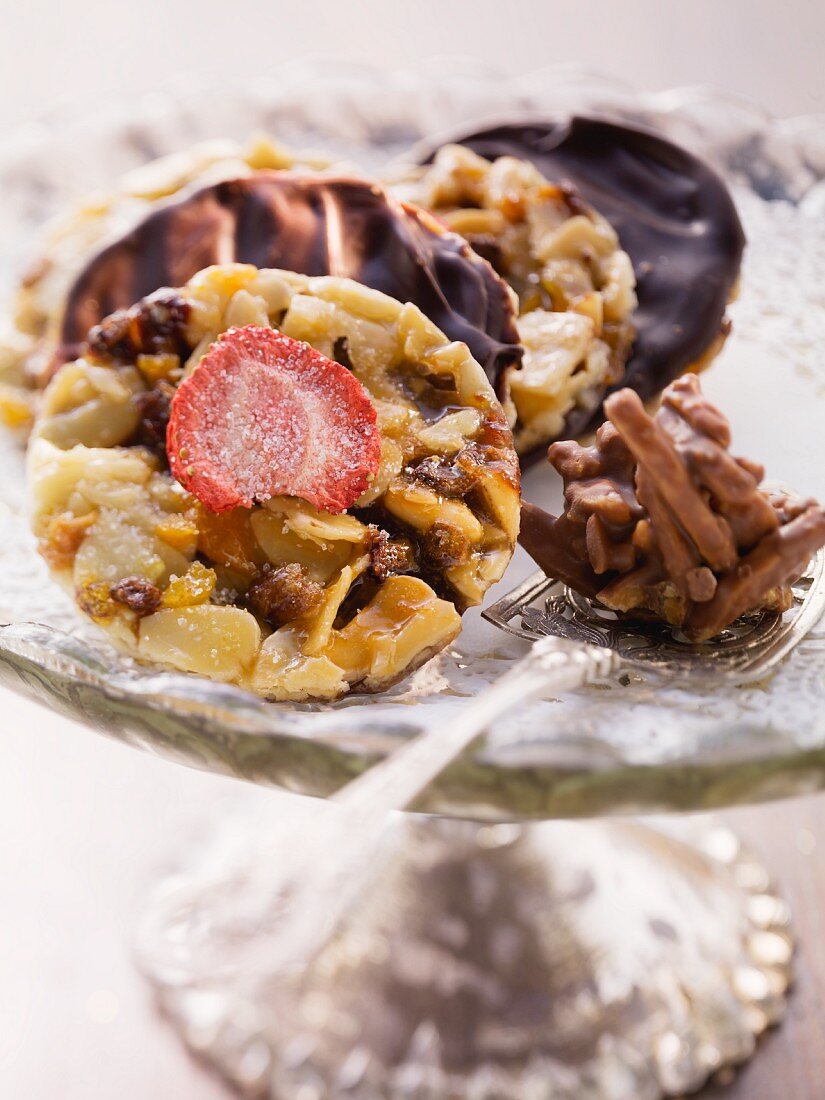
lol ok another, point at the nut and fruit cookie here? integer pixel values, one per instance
(290, 483)
(575, 285)
(29, 332)
(672, 214)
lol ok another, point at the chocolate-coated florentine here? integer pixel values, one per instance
(660, 519)
(674, 216)
(314, 226)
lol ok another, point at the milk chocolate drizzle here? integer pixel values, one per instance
(313, 225)
(674, 216)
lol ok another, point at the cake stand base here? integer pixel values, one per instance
(566, 961)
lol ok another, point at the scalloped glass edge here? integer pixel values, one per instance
(316, 750)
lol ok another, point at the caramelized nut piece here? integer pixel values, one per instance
(220, 642)
(400, 627)
(284, 670)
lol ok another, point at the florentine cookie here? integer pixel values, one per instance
(30, 332)
(575, 285)
(674, 217)
(294, 220)
(320, 390)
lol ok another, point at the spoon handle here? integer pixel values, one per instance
(553, 665)
(329, 871)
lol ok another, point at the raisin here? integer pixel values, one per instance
(451, 477)
(388, 556)
(155, 326)
(136, 593)
(280, 595)
(153, 407)
(444, 546)
(340, 352)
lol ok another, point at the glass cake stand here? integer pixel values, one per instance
(594, 959)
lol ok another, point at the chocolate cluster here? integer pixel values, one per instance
(660, 520)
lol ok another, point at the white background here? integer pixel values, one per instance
(54, 51)
(85, 824)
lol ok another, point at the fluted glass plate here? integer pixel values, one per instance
(628, 746)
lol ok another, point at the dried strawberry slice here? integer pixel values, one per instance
(263, 415)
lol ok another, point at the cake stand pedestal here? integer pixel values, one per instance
(605, 960)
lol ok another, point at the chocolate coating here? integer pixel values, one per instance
(674, 216)
(660, 519)
(313, 225)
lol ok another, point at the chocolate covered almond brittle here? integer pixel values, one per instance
(661, 520)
